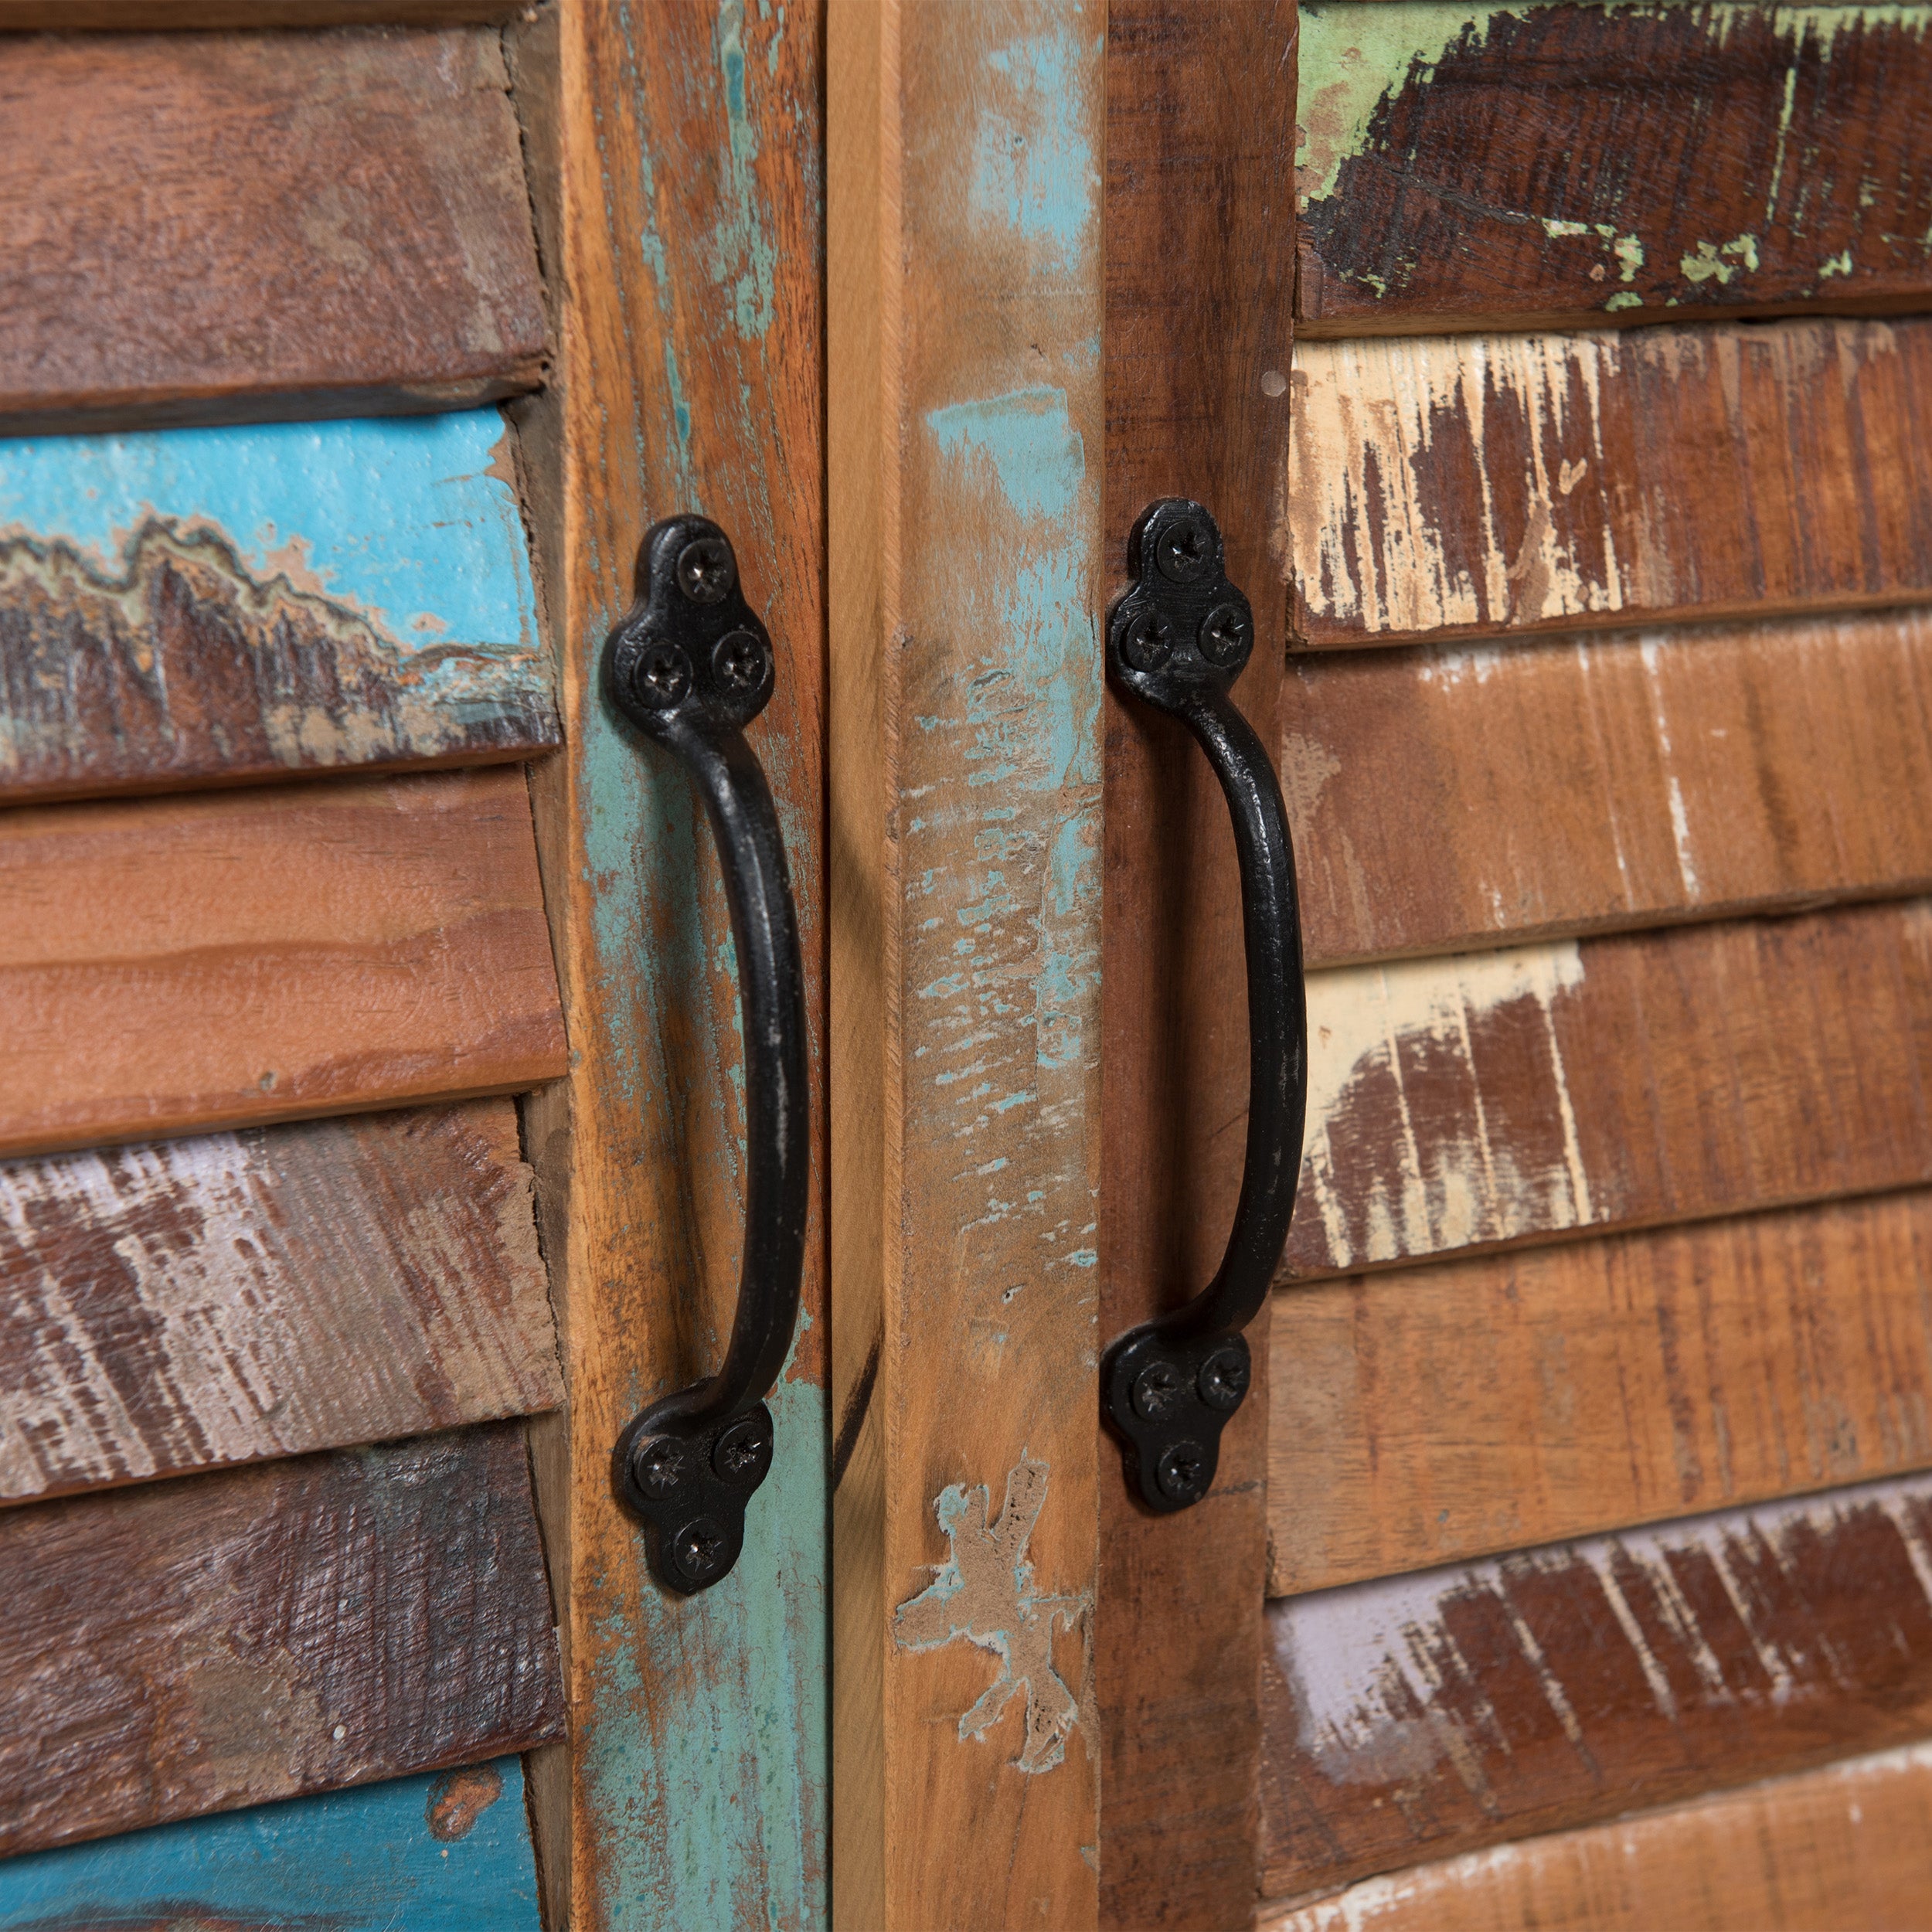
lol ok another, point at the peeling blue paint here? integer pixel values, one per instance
(1037, 455)
(1034, 169)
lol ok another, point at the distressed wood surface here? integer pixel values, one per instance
(220, 1640)
(1428, 1715)
(1447, 485)
(1462, 165)
(235, 957)
(695, 1791)
(1837, 1850)
(173, 1307)
(151, 16)
(1178, 1617)
(211, 228)
(1514, 1096)
(965, 372)
(1450, 796)
(447, 1852)
(184, 607)
(1495, 1402)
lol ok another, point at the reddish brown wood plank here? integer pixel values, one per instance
(1513, 1097)
(1563, 163)
(1505, 1400)
(167, 1307)
(1458, 484)
(1445, 797)
(239, 956)
(213, 227)
(1206, 168)
(197, 1645)
(1837, 1850)
(1430, 1715)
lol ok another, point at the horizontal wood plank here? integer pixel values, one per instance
(216, 227)
(184, 607)
(1841, 1849)
(1517, 1097)
(1445, 797)
(222, 1640)
(1452, 485)
(177, 1306)
(1505, 1400)
(1428, 1715)
(234, 957)
(445, 1853)
(1565, 163)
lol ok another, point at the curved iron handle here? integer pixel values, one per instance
(1177, 637)
(689, 665)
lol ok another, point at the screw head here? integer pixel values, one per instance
(707, 569)
(742, 1453)
(1180, 1474)
(660, 674)
(739, 659)
(1157, 1390)
(1224, 1379)
(1149, 641)
(1226, 633)
(659, 1465)
(1186, 551)
(702, 1550)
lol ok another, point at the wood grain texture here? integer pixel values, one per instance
(695, 1791)
(226, 1639)
(1178, 1620)
(1428, 1715)
(1517, 1097)
(154, 16)
(235, 957)
(1448, 485)
(1837, 1850)
(252, 227)
(445, 1853)
(173, 1307)
(1445, 797)
(1552, 164)
(1492, 1403)
(967, 195)
(184, 607)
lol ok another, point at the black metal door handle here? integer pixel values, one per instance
(1177, 637)
(690, 665)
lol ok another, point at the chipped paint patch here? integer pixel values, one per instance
(1034, 174)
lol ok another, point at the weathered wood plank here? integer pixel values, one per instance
(1445, 797)
(966, 186)
(170, 1308)
(234, 957)
(202, 1645)
(195, 607)
(448, 1853)
(1514, 1096)
(1455, 485)
(1843, 1848)
(1178, 1613)
(680, 155)
(212, 228)
(1427, 1716)
(154, 16)
(1491, 1403)
(1459, 166)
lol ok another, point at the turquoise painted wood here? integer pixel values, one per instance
(446, 1853)
(207, 605)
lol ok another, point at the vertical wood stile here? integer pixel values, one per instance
(964, 151)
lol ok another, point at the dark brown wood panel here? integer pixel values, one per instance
(1461, 485)
(1427, 1716)
(1446, 797)
(175, 1306)
(233, 958)
(1200, 216)
(1573, 163)
(197, 1645)
(217, 227)
(1517, 1097)
(1505, 1400)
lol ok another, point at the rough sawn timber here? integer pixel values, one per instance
(189, 1303)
